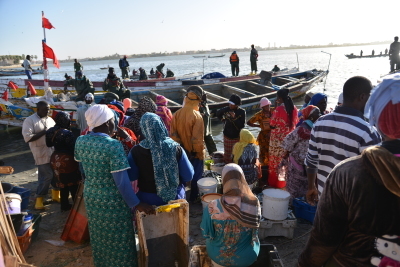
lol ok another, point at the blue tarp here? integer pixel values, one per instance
(213, 75)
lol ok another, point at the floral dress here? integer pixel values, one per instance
(280, 122)
(228, 243)
(110, 221)
(296, 143)
(264, 135)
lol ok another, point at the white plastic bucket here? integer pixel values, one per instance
(275, 204)
(207, 186)
(207, 198)
(13, 203)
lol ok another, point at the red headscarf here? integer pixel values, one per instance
(307, 111)
(389, 120)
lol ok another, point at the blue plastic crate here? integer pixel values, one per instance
(24, 193)
(304, 210)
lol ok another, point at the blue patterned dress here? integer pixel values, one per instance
(228, 243)
(110, 221)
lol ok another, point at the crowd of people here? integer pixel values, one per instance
(135, 159)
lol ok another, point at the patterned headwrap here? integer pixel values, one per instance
(163, 152)
(246, 137)
(164, 112)
(383, 107)
(307, 111)
(237, 198)
(145, 105)
(316, 98)
(63, 120)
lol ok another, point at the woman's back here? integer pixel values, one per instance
(228, 242)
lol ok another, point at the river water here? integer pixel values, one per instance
(340, 69)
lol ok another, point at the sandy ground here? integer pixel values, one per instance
(14, 152)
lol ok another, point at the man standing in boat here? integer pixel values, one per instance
(27, 67)
(394, 54)
(77, 67)
(124, 66)
(114, 84)
(82, 84)
(253, 59)
(234, 60)
(361, 53)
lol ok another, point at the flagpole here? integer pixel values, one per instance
(45, 71)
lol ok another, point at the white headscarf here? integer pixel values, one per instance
(97, 115)
(89, 96)
(387, 90)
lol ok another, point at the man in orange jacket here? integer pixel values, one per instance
(234, 60)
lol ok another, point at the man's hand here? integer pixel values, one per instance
(146, 208)
(312, 196)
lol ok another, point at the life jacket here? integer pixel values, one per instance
(234, 58)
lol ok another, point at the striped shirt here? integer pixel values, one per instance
(335, 137)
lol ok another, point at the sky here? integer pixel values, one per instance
(98, 28)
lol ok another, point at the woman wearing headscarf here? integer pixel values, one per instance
(108, 194)
(66, 169)
(164, 112)
(133, 123)
(283, 121)
(245, 155)
(159, 164)
(357, 221)
(230, 224)
(295, 145)
(263, 118)
(320, 100)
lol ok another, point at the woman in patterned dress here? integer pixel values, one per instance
(245, 155)
(66, 169)
(295, 145)
(230, 224)
(263, 118)
(108, 194)
(146, 104)
(283, 121)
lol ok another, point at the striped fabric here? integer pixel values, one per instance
(336, 137)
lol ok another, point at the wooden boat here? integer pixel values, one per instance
(199, 56)
(13, 112)
(18, 72)
(104, 68)
(222, 55)
(351, 56)
(250, 90)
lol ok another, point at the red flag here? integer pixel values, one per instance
(5, 95)
(12, 85)
(46, 23)
(49, 53)
(31, 89)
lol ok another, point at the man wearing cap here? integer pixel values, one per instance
(358, 220)
(124, 66)
(262, 119)
(80, 113)
(234, 60)
(77, 67)
(234, 119)
(114, 84)
(187, 129)
(82, 84)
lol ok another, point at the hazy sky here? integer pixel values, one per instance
(97, 28)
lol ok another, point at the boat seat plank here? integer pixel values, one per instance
(170, 102)
(241, 91)
(258, 89)
(284, 80)
(215, 98)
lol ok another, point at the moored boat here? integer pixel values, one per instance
(222, 55)
(18, 72)
(351, 56)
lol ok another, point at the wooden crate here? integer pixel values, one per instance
(164, 237)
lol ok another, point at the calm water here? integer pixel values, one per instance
(340, 68)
